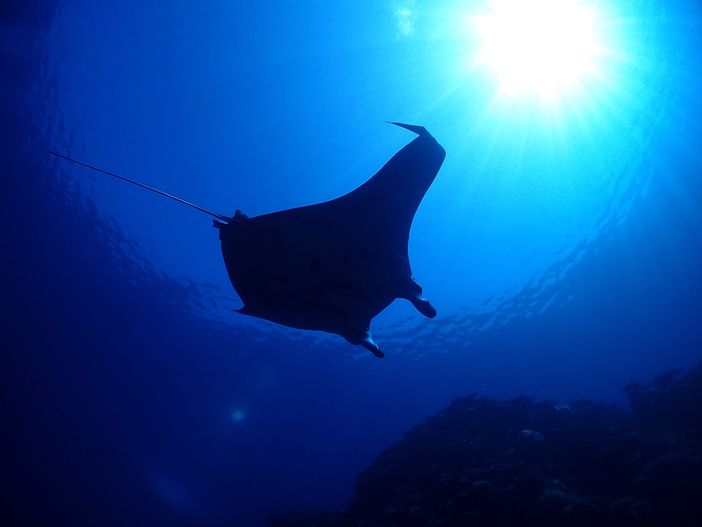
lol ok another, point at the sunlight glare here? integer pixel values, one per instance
(541, 47)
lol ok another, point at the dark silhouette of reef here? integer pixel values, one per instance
(483, 462)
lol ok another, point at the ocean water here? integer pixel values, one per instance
(561, 241)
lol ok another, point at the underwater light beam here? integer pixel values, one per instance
(542, 47)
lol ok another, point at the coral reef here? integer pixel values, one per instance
(483, 462)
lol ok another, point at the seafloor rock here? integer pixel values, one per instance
(482, 462)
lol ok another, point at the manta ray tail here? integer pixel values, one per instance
(219, 217)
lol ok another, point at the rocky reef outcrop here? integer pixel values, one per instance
(485, 462)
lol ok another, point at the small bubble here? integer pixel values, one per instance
(238, 415)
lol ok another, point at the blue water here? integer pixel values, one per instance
(561, 246)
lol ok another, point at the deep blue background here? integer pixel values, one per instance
(564, 258)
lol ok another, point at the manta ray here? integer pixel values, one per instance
(331, 266)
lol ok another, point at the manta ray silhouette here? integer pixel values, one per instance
(331, 266)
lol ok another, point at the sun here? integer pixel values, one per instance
(540, 47)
